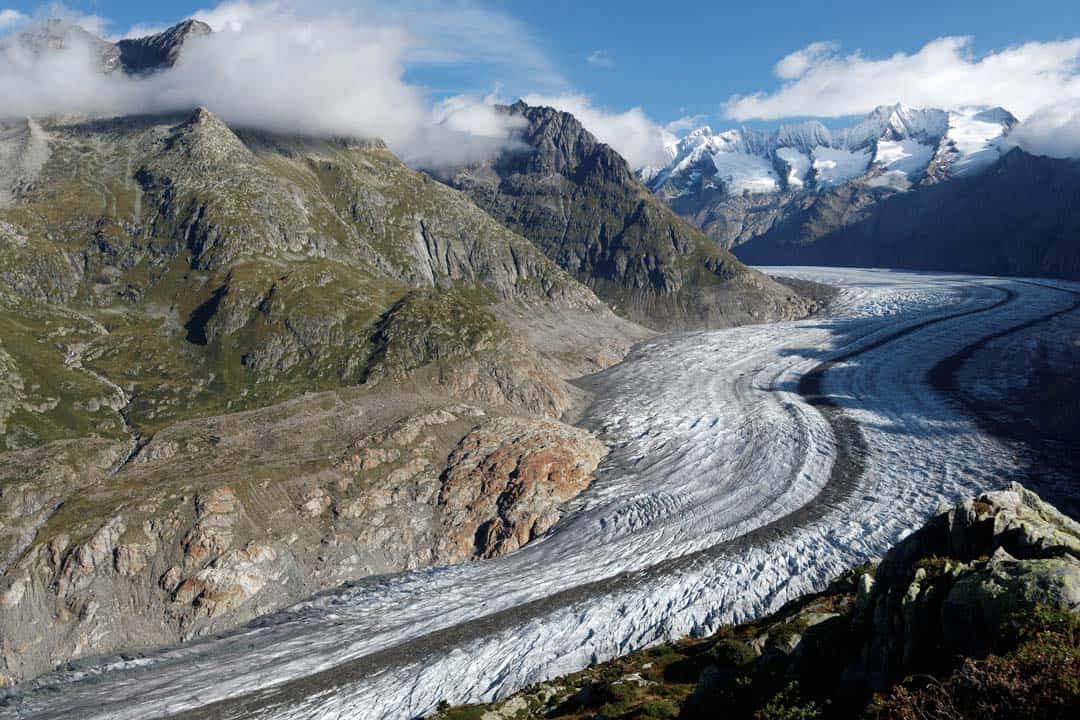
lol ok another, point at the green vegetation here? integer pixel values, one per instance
(1037, 677)
(468, 712)
(218, 273)
(788, 705)
(426, 327)
(42, 398)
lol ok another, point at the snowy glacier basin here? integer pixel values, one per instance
(698, 517)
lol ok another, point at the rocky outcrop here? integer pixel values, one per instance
(975, 615)
(215, 522)
(580, 203)
(949, 589)
(505, 482)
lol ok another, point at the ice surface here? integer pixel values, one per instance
(973, 143)
(834, 166)
(741, 172)
(906, 156)
(709, 441)
(798, 165)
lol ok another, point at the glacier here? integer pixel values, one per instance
(719, 501)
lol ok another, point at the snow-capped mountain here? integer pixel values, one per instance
(894, 146)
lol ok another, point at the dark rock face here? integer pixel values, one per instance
(1020, 217)
(156, 52)
(578, 200)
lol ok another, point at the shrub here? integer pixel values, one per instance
(788, 704)
(659, 710)
(732, 653)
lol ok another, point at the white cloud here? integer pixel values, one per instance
(279, 67)
(463, 129)
(681, 126)
(91, 23)
(1053, 131)
(139, 31)
(10, 18)
(601, 59)
(462, 32)
(818, 81)
(796, 64)
(233, 16)
(631, 133)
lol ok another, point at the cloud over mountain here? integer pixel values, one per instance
(820, 81)
(320, 68)
(1053, 131)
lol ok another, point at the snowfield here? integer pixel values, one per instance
(835, 166)
(741, 172)
(893, 146)
(730, 489)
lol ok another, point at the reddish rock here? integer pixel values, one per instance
(506, 481)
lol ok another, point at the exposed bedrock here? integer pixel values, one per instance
(183, 541)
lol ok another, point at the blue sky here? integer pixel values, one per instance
(686, 58)
(636, 73)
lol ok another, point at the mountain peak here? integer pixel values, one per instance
(205, 137)
(57, 34)
(998, 115)
(560, 142)
(159, 51)
(804, 136)
(202, 116)
(578, 200)
(893, 146)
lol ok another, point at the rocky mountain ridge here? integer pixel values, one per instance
(911, 188)
(134, 56)
(161, 50)
(580, 203)
(1016, 218)
(897, 144)
(736, 184)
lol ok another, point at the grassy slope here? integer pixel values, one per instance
(220, 274)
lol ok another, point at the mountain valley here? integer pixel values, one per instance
(476, 419)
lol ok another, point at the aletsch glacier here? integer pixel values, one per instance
(711, 440)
